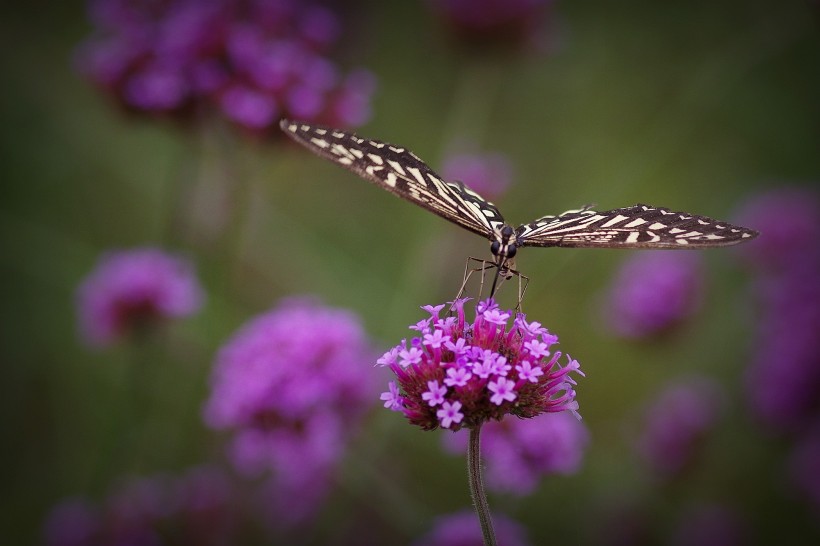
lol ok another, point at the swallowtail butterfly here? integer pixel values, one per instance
(400, 171)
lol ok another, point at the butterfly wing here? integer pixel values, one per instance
(640, 226)
(400, 172)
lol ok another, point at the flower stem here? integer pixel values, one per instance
(482, 508)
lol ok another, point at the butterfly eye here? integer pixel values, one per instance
(511, 250)
(495, 247)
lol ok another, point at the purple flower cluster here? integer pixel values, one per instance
(254, 61)
(786, 262)
(676, 424)
(458, 374)
(653, 292)
(489, 174)
(195, 508)
(462, 529)
(130, 290)
(518, 453)
(511, 23)
(292, 385)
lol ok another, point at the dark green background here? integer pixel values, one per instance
(693, 105)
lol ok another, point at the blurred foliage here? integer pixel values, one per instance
(691, 105)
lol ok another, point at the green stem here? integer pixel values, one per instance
(482, 508)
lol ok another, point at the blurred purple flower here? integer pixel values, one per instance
(459, 374)
(653, 292)
(789, 224)
(509, 23)
(489, 174)
(783, 379)
(711, 525)
(195, 508)
(676, 423)
(462, 529)
(293, 385)
(804, 467)
(518, 453)
(252, 60)
(131, 289)
(786, 257)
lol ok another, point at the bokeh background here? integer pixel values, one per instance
(708, 107)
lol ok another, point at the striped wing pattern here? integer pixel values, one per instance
(401, 172)
(640, 226)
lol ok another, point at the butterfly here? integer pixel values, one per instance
(401, 172)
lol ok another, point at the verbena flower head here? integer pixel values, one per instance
(676, 423)
(131, 289)
(253, 61)
(489, 174)
(292, 385)
(459, 374)
(653, 292)
(519, 452)
(462, 529)
(194, 508)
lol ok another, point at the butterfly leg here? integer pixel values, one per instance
(483, 265)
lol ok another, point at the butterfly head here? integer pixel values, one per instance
(504, 246)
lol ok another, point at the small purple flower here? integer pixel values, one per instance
(537, 349)
(391, 398)
(434, 310)
(449, 414)
(422, 326)
(494, 316)
(411, 357)
(462, 529)
(653, 292)
(457, 377)
(389, 357)
(293, 385)
(527, 373)
(502, 389)
(485, 375)
(676, 423)
(489, 174)
(435, 340)
(520, 452)
(435, 393)
(132, 289)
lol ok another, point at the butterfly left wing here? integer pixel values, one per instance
(640, 226)
(400, 172)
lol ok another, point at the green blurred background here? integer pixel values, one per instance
(692, 105)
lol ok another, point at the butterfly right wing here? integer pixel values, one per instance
(400, 172)
(639, 226)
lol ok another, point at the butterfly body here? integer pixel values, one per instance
(400, 171)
